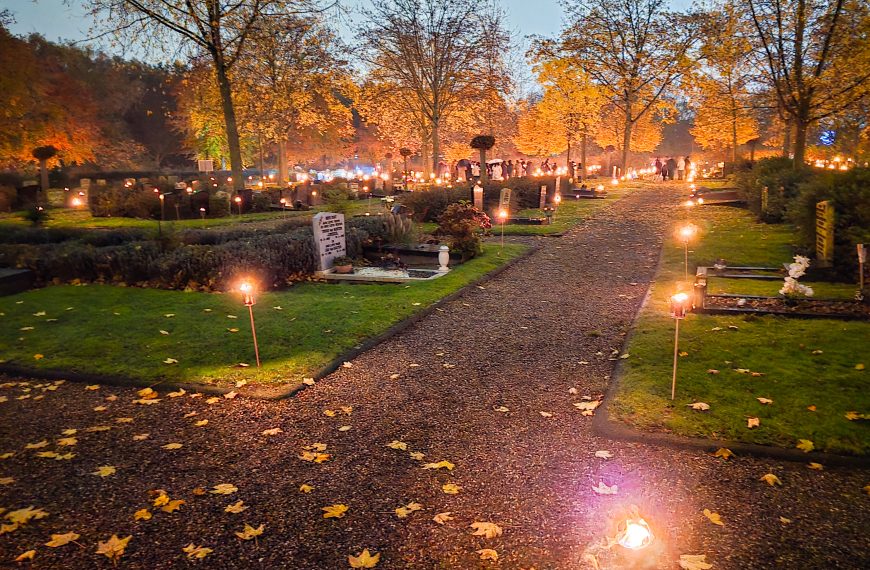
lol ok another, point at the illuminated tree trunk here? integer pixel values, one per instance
(230, 121)
(583, 157)
(436, 144)
(484, 175)
(626, 138)
(283, 177)
(734, 132)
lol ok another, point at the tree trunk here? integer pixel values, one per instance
(800, 142)
(484, 177)
(786, 139)
(43, 178)
(424, 155)
(436, 146)
(568, 158)
(583, 157)
(230, 122)
(734, 135)
(262, 166)
(283, 176)
(626, 137)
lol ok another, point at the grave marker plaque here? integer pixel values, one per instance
(328, 238)
(824, 233)
(205, 165)
(504, 200)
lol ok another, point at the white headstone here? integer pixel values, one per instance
(328, 238)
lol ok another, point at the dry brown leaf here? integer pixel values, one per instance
(713, 517)
(442, 518)
(488, 554)
(113, 548)
(486, 529)
(58, 540)
(364, 559)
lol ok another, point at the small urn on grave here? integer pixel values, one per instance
(443, 258)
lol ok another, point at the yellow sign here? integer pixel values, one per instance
(824, 234)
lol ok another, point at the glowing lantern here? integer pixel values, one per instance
(634, 534)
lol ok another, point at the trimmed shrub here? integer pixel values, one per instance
(429, 205)
(781, 179)
(849, 193)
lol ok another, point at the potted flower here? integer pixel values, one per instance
(343, 264)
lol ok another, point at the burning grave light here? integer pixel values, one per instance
(634, 534)
(247, 290)
(679, 307)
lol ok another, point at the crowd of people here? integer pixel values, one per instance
(669, 167)
(498, 169)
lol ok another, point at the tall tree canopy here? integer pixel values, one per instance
(635, 50)
(816, 58)
(435, 56)
(218, 28)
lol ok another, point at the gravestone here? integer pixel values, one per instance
(543, 201)
(101, 181)
(824, 234)
(504, 200)
(328, 238)
(85, 183)
(478, 196)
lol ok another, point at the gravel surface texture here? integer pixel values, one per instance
(522, 342)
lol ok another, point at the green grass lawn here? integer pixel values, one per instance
(804, 363)
(117, 331)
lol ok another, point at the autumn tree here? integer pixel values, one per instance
(219, 29)
(720, 87)
(635, 50)
(433, 54)
(570, 101)
(296, 84)
(816, 58)
(535, 136)
(646, 133)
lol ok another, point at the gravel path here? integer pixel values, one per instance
(544, 326)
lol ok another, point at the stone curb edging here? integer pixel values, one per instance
(277, 392)
(612, 429)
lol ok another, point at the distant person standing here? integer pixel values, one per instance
(688, 167)
(681, 168)
(658, 166)
(672, 167)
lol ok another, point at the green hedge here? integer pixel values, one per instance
(849, 193)
(780, 178)
(274, 258)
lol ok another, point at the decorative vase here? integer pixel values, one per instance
(443, 258)
(344, 269)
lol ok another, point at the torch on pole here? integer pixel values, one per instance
(248, 291)
(679, 304)
(502, 217)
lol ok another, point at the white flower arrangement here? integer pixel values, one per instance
(796, 270)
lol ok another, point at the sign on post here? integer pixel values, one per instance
(478, 196)
(205, 165)
(824, 233)
(328, 238)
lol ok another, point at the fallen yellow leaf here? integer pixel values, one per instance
(396, 444)
(61, 539)
(250, 532)
(334, 511)
(113, 548)
(714, 517)
(771, 479)
(194, 551)
(816, 466)
(450, 488)
(142, 515)
(752, 422)
(224, 489)
(486, 529)
(488, 554)
(172, 505)
(171, 446)
(805, 445)
(442, 518)
(444, 464)
(25, 556)
(364, 559)
(104, 471)
(236, 507)
(305, 488)
(724, 453)
(403, 512)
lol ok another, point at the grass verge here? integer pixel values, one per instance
(808, 366)
(100, 329)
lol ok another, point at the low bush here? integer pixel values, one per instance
(429, 205)
(464, 224)
(8, 195)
